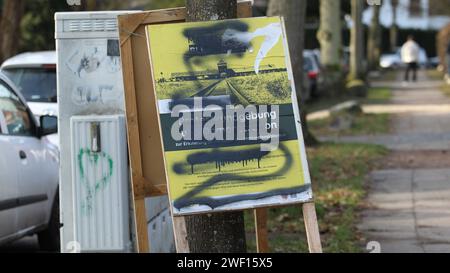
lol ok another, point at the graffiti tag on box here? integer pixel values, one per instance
(97, 63)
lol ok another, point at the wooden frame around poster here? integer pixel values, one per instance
(148, 175)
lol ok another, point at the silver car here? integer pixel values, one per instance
(29, 163)
(34, 74)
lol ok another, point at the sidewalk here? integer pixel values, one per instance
(409, 203)
(421, 117)
(411, 206)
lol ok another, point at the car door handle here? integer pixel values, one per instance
(22, 155)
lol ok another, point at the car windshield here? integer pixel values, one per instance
(35, 84)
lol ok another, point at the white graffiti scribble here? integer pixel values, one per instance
(94, 94)
(85, 62)
(271, 32)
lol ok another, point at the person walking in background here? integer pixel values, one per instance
(410, 56)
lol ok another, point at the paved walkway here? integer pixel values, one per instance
(421, 117)
(410, 211)
(409, 207)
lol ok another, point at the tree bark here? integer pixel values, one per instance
(10, 28)
(329, 34)
(374, 40)
(222, 232)
(357, 42)
(208, 10)
(294, 13)
(89, 5)
(394, 28)
(442, 41)
(330, 38)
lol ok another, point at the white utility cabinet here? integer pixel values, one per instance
(96, 215)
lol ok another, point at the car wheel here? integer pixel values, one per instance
(49, 238)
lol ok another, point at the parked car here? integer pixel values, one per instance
(29, 165)
(313, 70)
(393, 60)
(434, 62)
(306, 92)
(34, 73)
(321, 77)
(390, 61)
(316, 55)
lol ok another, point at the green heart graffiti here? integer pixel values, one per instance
(93, 187)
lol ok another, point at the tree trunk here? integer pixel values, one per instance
(442, 42)
(207, 10)
(294, 13)
(330, 38)
(374, 40)
(329, 34)
(10, 28)
(222, 232)
(357, 42)
(394, 28)
(89, 5)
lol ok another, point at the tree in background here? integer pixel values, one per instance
(219, 232)
(37, 27)
(374, 40)
(356, 76)
(330, 38)
(11, 15)
(394, 28)
(294, 13)
(442, 43)
(439, 7)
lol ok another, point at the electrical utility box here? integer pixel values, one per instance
(95, 203)
(99, 176)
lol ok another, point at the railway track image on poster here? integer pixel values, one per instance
(229, 116)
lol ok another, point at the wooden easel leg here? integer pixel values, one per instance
(262, 243)
(180, 234)
(312, 228)
(143, 244)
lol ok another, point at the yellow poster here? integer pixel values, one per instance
(229, 116)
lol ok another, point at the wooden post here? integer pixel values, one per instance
(135, 153)
(181, 241)
(143, 244)
(312, 228)
(262, 233)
